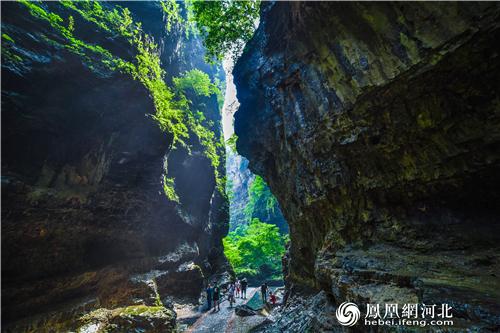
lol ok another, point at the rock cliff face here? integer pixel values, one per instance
(377, 127)
(240, 178)
(85, 220)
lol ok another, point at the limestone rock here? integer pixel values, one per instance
(185, 281)
(376, 125)
(244, 311)
(147, 319)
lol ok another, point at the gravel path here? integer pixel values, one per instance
(225, 320)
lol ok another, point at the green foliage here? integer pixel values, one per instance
(172, 108)
(208, 141)
(221, 87)
(255, 249)
(173, 15)
(171, 111)
(8, 54)
(198, 81)
(147, 69)
(200, 84)
(71, 23)
(116, 20)
(77, 46)
(231, 142)
(225, 25)
(7, 38)
(169, 189)
(230, 190)
(172, 12)
(259, 192)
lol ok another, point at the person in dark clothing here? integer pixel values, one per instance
(210, 295)
(244, 285)
(263, 290)
(216, 298)
(230, 294)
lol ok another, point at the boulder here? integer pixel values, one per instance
(244, 311)
(140, 318)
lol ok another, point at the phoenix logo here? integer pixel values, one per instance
(348, 314)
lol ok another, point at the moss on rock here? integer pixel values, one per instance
(134, 318)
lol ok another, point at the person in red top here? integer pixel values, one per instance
(273, 298)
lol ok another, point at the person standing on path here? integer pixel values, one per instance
(272, 297)
(210, 295)
(263, 290)
(238, 288)
(244, 285)
(216, 298)
(230, 294)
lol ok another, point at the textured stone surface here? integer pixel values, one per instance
(83, 208)
(306, 313)
(377, 128)
(145, 319)
(240, 178)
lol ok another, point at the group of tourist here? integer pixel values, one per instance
(235, 289)
(213, 296)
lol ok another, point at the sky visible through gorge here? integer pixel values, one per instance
(230, 101)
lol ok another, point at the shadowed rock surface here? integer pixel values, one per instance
(85, 221)
(379, 134)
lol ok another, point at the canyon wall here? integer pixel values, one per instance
(86, 222)
(377, 127)
(239, 179)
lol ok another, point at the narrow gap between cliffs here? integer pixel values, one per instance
(258, 232)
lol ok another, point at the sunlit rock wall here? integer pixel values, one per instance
(376, 126)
